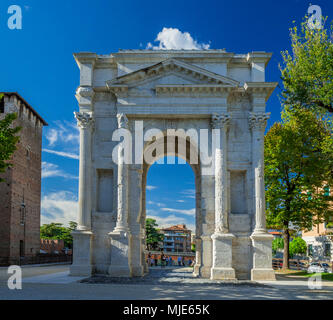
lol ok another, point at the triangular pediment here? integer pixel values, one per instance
(170, 72)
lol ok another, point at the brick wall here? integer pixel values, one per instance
(23, 185)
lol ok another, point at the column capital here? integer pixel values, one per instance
(258, 120)
(85, 120)
(221, 120)
(122, 120)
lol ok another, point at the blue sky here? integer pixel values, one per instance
(37, 62)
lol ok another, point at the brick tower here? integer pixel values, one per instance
(21, 192)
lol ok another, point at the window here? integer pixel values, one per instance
(21, 248)
(327, 250)
(27, 152)
(22, 214)
(310, 250)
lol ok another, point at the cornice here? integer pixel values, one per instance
(261, 88)
(85, 58)
(195, 88)
(259, 56)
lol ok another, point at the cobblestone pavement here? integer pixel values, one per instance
(168, 283)
(167, 276)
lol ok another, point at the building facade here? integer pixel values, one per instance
(20, 194)
(319, 239)
(142, 100)
(177, 239)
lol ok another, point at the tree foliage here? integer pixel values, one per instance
(296, 169)
(277, 244)
(153, 237)
(307, 70)
(8, 140)
(297, 246)
(56, 231)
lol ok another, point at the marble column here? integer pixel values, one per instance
(261, 239)
(222, 238)
(135, 203)
(120, 237)
(82, 237)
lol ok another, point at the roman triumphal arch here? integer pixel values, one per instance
(205, 106)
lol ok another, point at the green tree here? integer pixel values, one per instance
(277, 244)
(295, 169)
(56, 231)
(153, 237)
(8, 140)
(297, 246)
(307, 71)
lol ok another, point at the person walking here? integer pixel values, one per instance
(149, 258)
(162, 260)
(179, 261)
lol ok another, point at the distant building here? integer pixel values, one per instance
(276, 233)
(177, 239)
(21, 192)
(52, 246)
(319, 239)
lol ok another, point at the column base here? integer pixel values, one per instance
(196, 270)
(222, 257)
(262, 256)
(146, 268)
(223, 274)
(205, 272)
(119, 271)
(137, 271)
(119, 266)
(81, 253)
(262, 274)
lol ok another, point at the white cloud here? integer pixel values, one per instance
(174, 39)
(52, 136)
(164, 222)
(59, 207)
(189, 193)
(62, 154)
(181, 201)
(64, 135)
(151, 187)
(63, 132)
(159, 204)
(171, 220)
(189, 212)
(52, 170)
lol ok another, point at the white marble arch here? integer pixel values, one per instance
(210, 90)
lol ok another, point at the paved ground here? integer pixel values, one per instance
(53, 282)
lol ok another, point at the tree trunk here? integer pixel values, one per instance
(286, 236)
